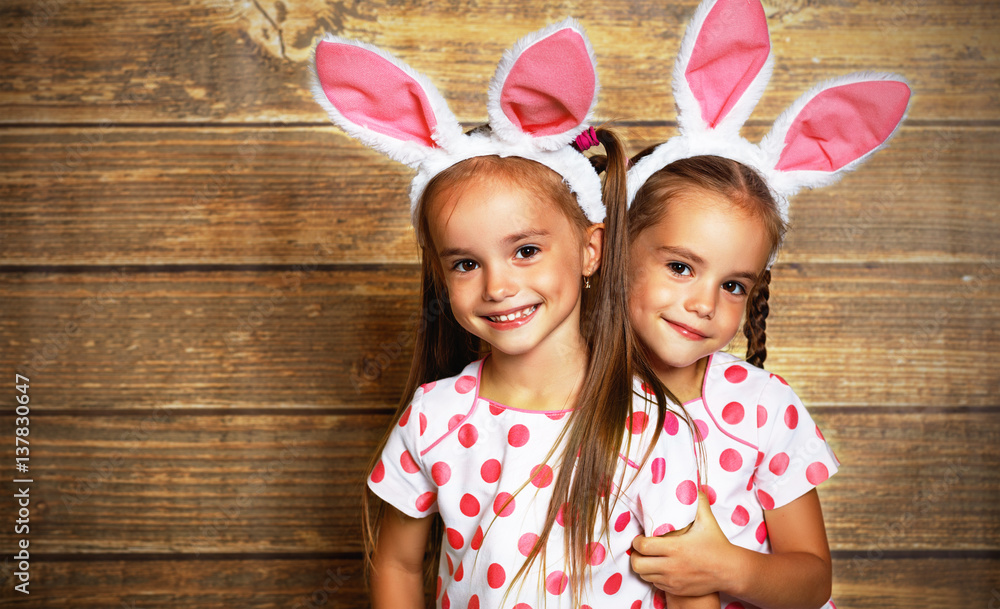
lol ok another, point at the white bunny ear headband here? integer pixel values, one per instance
(541, 96)
(722, 68)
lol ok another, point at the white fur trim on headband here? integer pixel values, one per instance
(830, 130)
(381, 101)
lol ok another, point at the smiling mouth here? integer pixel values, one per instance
(686, 331)
(516, 315)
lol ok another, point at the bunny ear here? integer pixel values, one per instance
(834, 128)
(381, 101)
(545, 87)
(723, 66)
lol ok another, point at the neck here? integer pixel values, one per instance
(685, 383)
(544, 379)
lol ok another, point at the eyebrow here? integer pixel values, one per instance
(508, 240)
(683, 252)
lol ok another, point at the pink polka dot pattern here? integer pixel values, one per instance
(761, 533)
(522, 606)
(378, 472)
(597, 553)
(687, 492)
(473, 602)
(459, 573)
(559, 515)
(741, 517)
(445, 602)
(637, 422)
(778, 464)
(710, 493)
(735, 605)
(526, 543)
(496, 409)
(405, 417)
(495, 576)
(663, 529)
(454, 421)
(407, 463)
(465, 384)
(468, 435)
(490, 471)
(780, 380)
(441, 473)
(819, 434)
(425, 501)
(503, 505)
(733, 412)
(766, 501)
(670, 424)
(477, 539)
(647, 389)
(761, 416)
(555, 416)
(518, 436)
(636, 604)
(702, 428)
(556, 582)
(428, 386)
(451, 565)
(455, 539)
(730, 460)
(541, 475)
(736, 374)
(659, 600)
(792, 416)
(613, 584)
(470, 505)
(817, 473)
(760, 459)
(423, 423)
(623, 519)
(659, 469)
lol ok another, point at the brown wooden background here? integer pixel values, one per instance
(213, 287)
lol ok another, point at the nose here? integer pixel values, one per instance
(702, 299)
(498, 284)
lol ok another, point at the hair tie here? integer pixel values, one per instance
(587, 139)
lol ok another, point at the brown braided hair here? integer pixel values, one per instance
(756, 321)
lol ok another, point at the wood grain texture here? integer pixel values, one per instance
(931, 583)
(247, 61)
(843, 335)
(206, 584)
(170, 481)
(263, 195)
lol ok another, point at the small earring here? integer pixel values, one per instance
(586, 282)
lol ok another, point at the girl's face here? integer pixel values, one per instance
(690, 277)
(512, 265)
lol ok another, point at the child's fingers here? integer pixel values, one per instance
(652, 546)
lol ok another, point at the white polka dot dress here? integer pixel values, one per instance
(468, 458)
(762, 447)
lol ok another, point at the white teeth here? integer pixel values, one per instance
(515, 315)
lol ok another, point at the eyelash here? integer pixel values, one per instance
(678, 268)
(533, 249)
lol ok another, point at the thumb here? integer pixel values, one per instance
(704, 507)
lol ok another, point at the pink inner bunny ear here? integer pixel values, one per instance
(732, 47)
(550, 88)
(842, 124)
(369, 91)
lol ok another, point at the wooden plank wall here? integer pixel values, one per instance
(212, 288)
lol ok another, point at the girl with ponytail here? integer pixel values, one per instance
(516, 454)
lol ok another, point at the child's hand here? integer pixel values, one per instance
(689, 564)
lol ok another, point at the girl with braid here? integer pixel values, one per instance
(708, 212)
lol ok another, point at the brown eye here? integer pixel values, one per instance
(734, 287)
